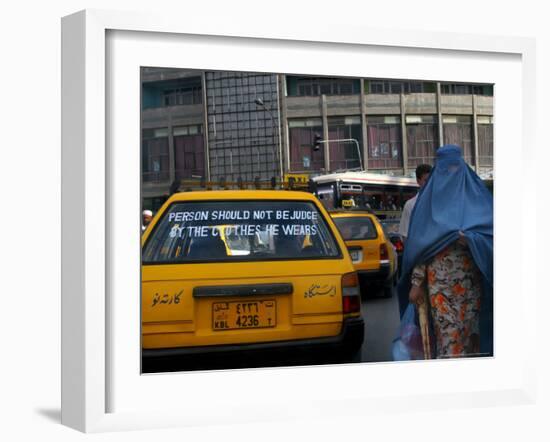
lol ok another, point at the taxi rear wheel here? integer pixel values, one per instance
(350, 355)
(354, 357)
(366, 289)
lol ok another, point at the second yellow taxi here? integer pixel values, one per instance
(372, 254)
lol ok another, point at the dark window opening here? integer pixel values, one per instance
(154, 156)
(384, 143)
(458, 130)
(189, 152)
(485, 144)
(179, 92)
(315, 86)
(422, 142)
(466, 89)
(345, 155)
(303, 156)
(397, 87)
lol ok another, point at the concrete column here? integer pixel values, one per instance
(363, 107)
(205, 127)
(325, 131)
(439, 117)
(404, 152)
(284, 127)
(279, 147)
(171, 152)
(476, 144)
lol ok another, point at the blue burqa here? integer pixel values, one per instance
(453, 199)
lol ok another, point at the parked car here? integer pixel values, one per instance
(391, 228)
(247, 271)
(372, 254)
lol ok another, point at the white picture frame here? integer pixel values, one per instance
(101, 389)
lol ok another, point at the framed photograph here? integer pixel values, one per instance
(123, 153)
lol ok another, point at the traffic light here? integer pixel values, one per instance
(317, 140)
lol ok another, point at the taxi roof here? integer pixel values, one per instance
(350, 213)
(245, 194)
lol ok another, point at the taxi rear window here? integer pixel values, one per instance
(390, 226)
(356, 228)
(239, 230)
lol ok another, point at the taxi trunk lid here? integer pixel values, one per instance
(267, 301)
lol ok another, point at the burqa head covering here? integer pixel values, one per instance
(453, 199)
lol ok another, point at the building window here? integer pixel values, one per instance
(345, 155)
(315, 86)
(458, 130)
(182, 96)
(422, 139)
(466, 89)
(413, 87)
(154, 156)
(485, 140)
(384, 141)
(397, 87)
(189, 152)
(179, 92)
(301, 137)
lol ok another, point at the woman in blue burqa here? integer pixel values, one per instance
(449, 256)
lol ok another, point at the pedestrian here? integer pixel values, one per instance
(422, 173)
(146, 216)
(391, 204)
(448, 259)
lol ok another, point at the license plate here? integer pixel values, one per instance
(244, 314)
(356, 255)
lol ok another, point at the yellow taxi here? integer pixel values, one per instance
(373, 255)
(231, 271)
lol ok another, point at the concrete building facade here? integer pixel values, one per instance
(226, 126)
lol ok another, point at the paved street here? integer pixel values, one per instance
(381, 323)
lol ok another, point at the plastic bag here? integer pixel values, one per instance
(407, 345)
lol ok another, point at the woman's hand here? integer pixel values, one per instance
(417, 294)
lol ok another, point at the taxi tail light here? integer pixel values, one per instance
(351, 295)
(398, 245)
(384, 252)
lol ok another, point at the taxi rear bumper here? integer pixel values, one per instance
(348, 342)
(380, 275)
